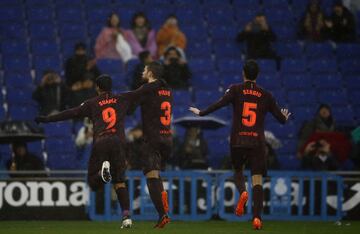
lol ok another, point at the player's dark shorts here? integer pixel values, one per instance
(154, 156)
(254, 156)
(108, 148)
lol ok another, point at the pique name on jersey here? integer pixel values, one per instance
(252, 92)
(108, 101)
(163, 92)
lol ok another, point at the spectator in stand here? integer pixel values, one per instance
(312, 25)
(112, 43)
(176, 71)
(318, 156)
(141, 37)
(24, 161)
(341, 24)
(322, 122)
(170, 35)
(194, 150)
(80, 73)
(51, 94)
(258, 37)
(145, 58)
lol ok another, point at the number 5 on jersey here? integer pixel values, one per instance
(249, 114)
(166, 119)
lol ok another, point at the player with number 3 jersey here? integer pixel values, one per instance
(250, 104)
(107, 112)
(155, 100)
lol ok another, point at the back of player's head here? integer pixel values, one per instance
(251, 69)
(156, 69)
(104, 83)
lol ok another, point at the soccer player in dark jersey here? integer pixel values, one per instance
(155, 100)
(250, 104)
(107, 112)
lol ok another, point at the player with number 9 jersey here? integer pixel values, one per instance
(107, 113)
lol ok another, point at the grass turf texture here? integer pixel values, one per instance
(207, 227)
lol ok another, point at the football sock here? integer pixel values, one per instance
(154, 186)
(95, 181)
(257, 201)
(239, 180)
(124, 200)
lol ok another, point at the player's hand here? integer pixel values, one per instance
(286, 113)
(40, 119)
(194, 110)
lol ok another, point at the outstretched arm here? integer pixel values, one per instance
(80, 111)
(223, 101)
(282, 115)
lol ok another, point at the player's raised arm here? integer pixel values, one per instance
(80, 111)
(223, 101)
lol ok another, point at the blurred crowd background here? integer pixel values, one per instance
(308, 52)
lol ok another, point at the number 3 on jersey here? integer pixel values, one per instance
(249, 114)
(166, 119)
(109, 117)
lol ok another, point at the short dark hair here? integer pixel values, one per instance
(140, 14)
(143, 55)
(80, 45)
(104, 82)
(156, 69)
(251, 69)
(171, 48)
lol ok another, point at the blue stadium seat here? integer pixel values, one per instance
(230, 65)
(97, 3)
(14, 31)
(22, 112)
(44, 63)
(110, 65)
(283, 131)
(198, 49)
(204, 98)
(18, 79)
(206, 81)
(323, 65)
(126, 14)
(244, 16)
(119, 81)
(220, 15)
(3, 117)
(343, 114)
(295, 81)
(348, 51)
(98, 14)
(352, 82)
(327, 81)
(72, 31)
(62, 161)
(58, 130)
(63, 3)
(246, 4)
(70, 13)
(57, 145)
(293, 65)
(276, 4)
(181, 97)
(302, 113)
(319, 50)
(95, 29)
(44, 48)
(43, 31)
(186, 3)
(289, 162)
(267, 65)
(279, 17)
(11, 13)
(332, 97)
(227, 50)
(180, 111)
(350, 66)
(43, 13)
(11, 48)
(301, 97)
(221, 32)
(289, 146)
(35, 148)
(269, 81)
(289, 50)
(195, 32)
(8, 3)
(20, 95)
(16, 63)
(285, 33)
(201, 64)
(230, 78)
(37, 3)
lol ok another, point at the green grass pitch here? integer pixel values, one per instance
(206, 227)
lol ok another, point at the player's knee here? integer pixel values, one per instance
(152, 174)
(256, 180)
(119, 185)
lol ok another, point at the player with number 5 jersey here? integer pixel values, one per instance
(108, 157)
(155, 100)
(250, 105)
